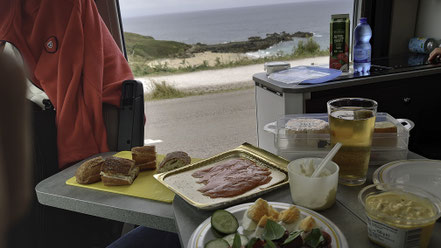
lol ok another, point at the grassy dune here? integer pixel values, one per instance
(143, 50)
(140, 47)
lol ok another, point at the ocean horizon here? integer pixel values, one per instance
(238, 24)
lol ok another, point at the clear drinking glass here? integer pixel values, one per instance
(352, 122)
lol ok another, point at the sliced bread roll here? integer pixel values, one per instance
(118, 171)
(89, 171)
(173, 161)
(145, 157)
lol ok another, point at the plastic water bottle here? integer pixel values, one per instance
(362, 47)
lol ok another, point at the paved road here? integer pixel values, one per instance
(204, 125)
(235, 77)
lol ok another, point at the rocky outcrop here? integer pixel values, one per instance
(253, 43)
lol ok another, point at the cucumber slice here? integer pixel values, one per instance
(224, 222)
(230, 238)
(217, 234)
(217, 243)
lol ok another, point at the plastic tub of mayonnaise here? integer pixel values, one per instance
(399, 215)
(316, 193)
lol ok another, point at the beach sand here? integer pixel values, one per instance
(198, 59)
(220, 79)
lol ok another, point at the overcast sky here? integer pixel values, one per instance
(131, 8)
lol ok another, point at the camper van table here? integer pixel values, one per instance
(347, 214)
(54, 192)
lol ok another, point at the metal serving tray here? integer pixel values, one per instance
(183, 184)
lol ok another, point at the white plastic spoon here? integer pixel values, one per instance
(325, 161)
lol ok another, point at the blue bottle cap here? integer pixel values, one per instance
(363, 20)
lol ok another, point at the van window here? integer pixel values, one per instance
(197, 60)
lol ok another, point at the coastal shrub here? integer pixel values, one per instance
(311, 47)
(163, 90)
(140, 70)
(159, 67)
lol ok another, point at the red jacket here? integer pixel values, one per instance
(71, 55)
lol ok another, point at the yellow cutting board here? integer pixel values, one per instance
(144, 186)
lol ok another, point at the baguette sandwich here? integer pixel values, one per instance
(89, 171)
(118, 171)
(145, 157)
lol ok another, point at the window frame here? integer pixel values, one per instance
(111, 14)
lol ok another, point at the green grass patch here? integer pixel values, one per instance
(163, 90)
(144, 48)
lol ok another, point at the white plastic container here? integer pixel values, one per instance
(386, 147)
(276, 66)
(316, 193)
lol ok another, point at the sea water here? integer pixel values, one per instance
(238, 24)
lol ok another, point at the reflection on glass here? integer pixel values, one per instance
(33, 93)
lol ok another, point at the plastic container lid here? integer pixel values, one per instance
(305, 75)
(271, 67)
